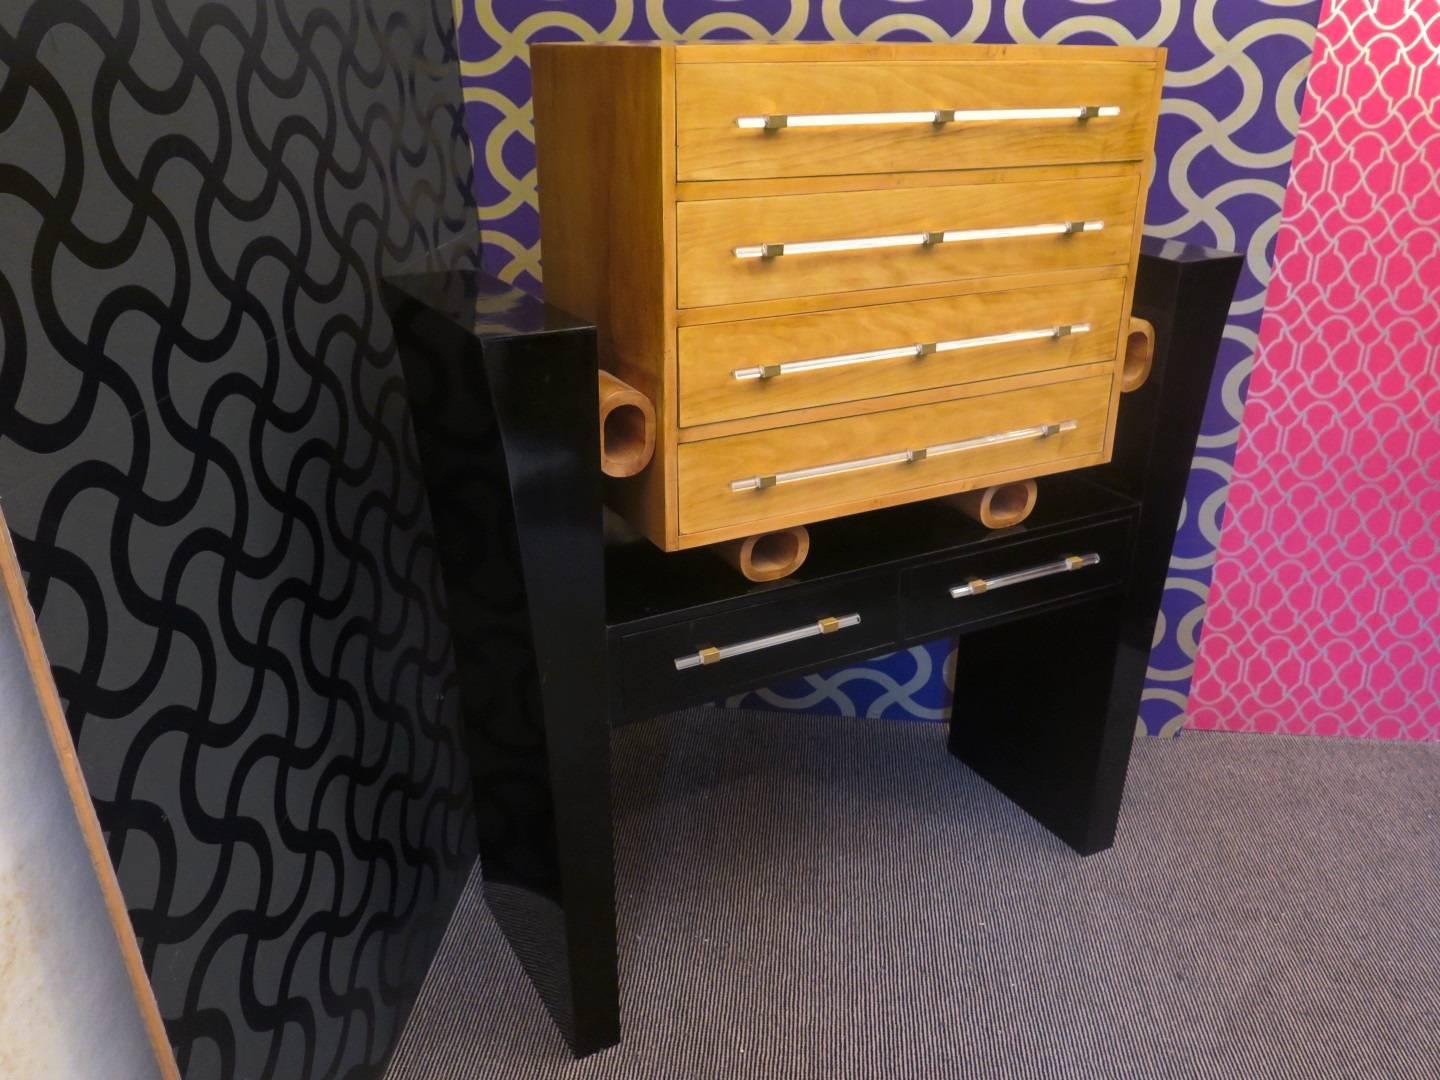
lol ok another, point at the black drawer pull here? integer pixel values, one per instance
(976, 586)
(712, 655)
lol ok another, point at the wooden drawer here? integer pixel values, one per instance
(740, 369)
(664, 668)
(1012, 578)
(988, 229)
(818, 470)
(710, 98)
(670, 226)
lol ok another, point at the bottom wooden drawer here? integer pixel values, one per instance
(830, 467)
(1008, 580)
(799, 628)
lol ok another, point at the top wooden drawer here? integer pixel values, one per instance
(710, 98)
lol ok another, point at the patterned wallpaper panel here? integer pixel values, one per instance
(206, 460)
(1325, 610)
(1233, 89)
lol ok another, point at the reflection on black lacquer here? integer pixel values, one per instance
(206, 459)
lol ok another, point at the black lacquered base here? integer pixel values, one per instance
(1053, 650)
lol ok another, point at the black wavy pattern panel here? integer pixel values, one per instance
(207, 460)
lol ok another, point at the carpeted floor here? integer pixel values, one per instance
(817, 897)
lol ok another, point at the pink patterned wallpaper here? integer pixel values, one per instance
(1324, 612)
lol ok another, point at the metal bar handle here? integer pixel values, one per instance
(917, 351)
(780, 121)
(920, 239)
(976, 586)
(712, 655)
(769, 480)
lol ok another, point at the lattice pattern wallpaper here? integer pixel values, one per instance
(206, 460)
(1233, 91)
(1325, 611)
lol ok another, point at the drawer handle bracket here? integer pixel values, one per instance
(979, 586)
(917, 352)
(780, 121)
(899, 457)
(709, 654)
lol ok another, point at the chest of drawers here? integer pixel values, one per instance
(846, 275)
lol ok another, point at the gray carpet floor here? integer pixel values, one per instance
(817, 897)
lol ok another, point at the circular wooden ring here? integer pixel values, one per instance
(768, 556)
(627, 428)
(1139, 355)
(999, 506)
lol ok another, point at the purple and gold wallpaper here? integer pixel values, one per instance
(1235, 80)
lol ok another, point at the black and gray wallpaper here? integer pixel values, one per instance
(207, 461)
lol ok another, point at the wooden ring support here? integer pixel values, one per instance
(1139, 355)
(997, 507)
(627, 427)
(767, 556)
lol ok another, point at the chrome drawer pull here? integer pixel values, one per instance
(711, 655)
(791, 367)
(778, 121)
(1040, 431)
(976, 586)
(920, 239)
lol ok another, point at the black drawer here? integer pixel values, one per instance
(694, 661)
(1012, 577)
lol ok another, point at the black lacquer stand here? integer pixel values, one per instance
(560, 633)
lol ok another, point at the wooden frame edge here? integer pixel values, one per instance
(22, 617)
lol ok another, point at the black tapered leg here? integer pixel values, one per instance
(507, 431)
(1032, 715)
(1045, 708)
(1186, 294)
(561, 557)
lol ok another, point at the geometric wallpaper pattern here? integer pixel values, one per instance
(1233, 88)
(1325, 611)
(207, 463)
